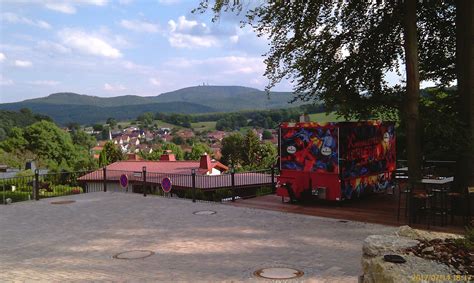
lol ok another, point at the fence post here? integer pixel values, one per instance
(36, 186)
(193, 174)
(105, 178)
(232, 175)
(273, 179)
(144, 180)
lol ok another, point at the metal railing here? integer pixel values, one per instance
(196, 185)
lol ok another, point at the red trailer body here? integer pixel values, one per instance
(335, 161)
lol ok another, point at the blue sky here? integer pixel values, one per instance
(117, 47)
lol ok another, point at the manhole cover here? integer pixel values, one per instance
(134, 254)
(205, 212)
(63, 202)
(278, 273)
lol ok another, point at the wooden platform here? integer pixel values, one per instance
(379, 209)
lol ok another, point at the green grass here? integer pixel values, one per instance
(204, 126)
(323, 117)
(160, 123)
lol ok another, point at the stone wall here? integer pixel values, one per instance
(377, 270)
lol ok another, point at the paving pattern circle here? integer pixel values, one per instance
(63, 202)
(205, 212)
(278, 273)
(137, 254)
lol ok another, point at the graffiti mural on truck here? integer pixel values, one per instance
(309, 147)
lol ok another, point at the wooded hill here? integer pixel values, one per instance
(86, 109)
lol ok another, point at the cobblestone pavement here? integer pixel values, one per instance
(77, 241)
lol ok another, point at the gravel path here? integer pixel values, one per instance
(77, 241)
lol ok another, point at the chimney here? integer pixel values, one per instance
(205, 162)
(168, 156)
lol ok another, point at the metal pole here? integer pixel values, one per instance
(36, 185)
(144, 180)
(193, 174)
(232, 175)
(105, 178)
(273, 179)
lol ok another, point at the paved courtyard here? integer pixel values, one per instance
(78, 241)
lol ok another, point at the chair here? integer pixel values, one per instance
(438, 204)
(419, 204)
(401, 183)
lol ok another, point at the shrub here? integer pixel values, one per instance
(468, 241)
(220, 194)
(15, 196)
(264, 191)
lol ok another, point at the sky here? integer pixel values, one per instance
(122, 47)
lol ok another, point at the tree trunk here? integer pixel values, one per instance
(465, 77)
(412, 97)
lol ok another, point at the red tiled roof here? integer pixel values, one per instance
(171, 167)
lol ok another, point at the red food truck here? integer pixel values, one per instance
(336, 160)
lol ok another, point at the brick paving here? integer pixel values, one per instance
(40, 241)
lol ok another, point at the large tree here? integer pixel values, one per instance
(465, 76)
(341, 51)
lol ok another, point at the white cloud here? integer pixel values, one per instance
(44, 83)
(169, 2)
(180, 40)
(234, 38)
(139, 26)
(16, 19)
(5, 81)
(88, 43)
(2, 57)
(185, 33)
(70, 6)
(125, 2)
(23, 63)
(53, 46)
(155, 82)
(117, 87)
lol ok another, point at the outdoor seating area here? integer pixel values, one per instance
(433, 203)
(433, 200)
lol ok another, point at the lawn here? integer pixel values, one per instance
(204, 126)
(323, 117)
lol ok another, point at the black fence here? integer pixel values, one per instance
(38, 186)
(195, 185)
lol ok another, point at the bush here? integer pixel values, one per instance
(264, 191)
(200, 195)
(15, 196)
(468, 241)
(221, 194)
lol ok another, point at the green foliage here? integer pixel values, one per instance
(251, 146)
(14, 196)
(111, 152)
(248, 152)
(154, 155)
(267, 135)
(467, 242)
(175, 149)
(98, 127)
(232, 148)
(145, 119)
(198, 150)
(46, 143)
(177, 140)
(221, 194)
(11, 119)
(262, 191)
(82, 139)
(112, 122)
